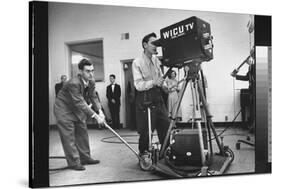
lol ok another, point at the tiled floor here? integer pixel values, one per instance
(119, 164)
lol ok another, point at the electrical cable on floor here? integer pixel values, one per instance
(105, 140)
(227, 126)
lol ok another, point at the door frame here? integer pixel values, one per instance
(123, 62)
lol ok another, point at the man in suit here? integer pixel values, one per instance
(113, 93)
(58, 86)
(71, 110)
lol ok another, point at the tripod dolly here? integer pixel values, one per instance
(211, 164)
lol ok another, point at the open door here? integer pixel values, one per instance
(130, 106)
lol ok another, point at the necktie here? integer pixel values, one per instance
(86, 93)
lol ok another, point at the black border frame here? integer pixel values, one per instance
(262, 38)
(39, 96)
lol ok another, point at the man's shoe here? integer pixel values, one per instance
(146, 161)
(78, 167)
(145, 156)
(90, 162)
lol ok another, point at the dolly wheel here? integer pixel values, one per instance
(238, 145)
(199, 174)
(146, 164)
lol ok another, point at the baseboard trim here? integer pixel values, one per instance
(238, 124)
(89, 126)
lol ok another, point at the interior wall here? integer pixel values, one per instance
(78, 22)
(98, 69)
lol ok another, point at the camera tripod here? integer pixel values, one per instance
(158, 160)
(201, 114)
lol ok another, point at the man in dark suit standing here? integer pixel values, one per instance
(113, 93)
(59, 86)
(247, 96)
(71, 110)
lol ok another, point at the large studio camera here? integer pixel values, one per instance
(185, 42)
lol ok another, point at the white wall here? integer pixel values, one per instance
(76, 22)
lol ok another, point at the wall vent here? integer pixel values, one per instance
(125, 36)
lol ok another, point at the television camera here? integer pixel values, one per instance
(185, 42)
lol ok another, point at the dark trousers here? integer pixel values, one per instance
(114, 112)
(243, 113)
(75, 141)
(159, 118)
(247, 101)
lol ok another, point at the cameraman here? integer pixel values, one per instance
(149, 84)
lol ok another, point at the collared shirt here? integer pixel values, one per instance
(112, 87)
(85, 83)
(145, 71)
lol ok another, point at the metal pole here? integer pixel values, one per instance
(209, 118)
(193, 106)
(149, 127)
(125, 142)
(173, 121)
(203, 113)
(198, 123)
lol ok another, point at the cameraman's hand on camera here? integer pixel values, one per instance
(158, 82)
(186, 69)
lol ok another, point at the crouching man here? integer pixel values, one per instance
(71, 111)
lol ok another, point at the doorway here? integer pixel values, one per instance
(130, 106)
(91, 50)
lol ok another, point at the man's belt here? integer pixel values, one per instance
(152, 96)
